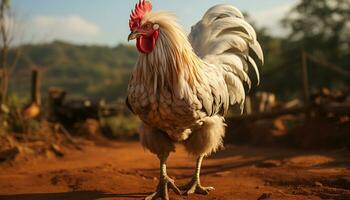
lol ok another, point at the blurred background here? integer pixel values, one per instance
(69, 63)
(65, 66)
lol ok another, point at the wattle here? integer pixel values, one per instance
(146, 44)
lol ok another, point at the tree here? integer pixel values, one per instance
(322, 28)
(6, 39)
(7, 61)
(321, 25)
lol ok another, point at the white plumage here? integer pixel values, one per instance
(183, 88)
(223, 38)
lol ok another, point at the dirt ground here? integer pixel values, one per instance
(123, 170)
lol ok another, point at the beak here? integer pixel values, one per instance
(133, 35)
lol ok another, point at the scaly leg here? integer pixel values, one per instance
(194, 186)
(164, 182)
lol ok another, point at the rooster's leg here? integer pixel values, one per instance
(194, 186)
(165, 183)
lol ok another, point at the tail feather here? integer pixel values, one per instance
(223, 38)
(225, 10)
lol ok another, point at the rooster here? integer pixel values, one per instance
(182, 86)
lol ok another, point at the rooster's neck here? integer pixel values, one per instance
(172, 63)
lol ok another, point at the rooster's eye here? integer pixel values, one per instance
(155, 27)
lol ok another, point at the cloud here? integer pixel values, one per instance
(271, 18)
(69, 28)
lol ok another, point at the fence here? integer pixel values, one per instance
(308, 105)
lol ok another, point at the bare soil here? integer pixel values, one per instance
(123, 170)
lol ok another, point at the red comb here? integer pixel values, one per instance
(137, 14)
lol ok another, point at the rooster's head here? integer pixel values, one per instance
(145, 32)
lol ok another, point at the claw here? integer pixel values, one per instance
(162, 189)
(194, 187)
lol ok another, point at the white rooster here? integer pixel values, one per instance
(182, 86)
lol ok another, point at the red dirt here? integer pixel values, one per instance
(124, 171)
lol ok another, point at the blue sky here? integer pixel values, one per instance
(105, 22)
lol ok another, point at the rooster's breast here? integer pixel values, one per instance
(163, 110)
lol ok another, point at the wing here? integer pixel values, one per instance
(209, 95)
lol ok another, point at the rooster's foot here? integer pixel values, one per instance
(194, 187)
(164, 185)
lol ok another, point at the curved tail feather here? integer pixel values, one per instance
(223, 38)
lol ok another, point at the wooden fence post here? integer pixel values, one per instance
(305, 80)
(248, 105)
(36, 78)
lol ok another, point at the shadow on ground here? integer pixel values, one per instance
(86, 195)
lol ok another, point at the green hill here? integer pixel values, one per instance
(85, 71)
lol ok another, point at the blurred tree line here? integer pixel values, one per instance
(321, 27)
(84, 71)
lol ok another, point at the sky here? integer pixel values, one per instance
(105, 22)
